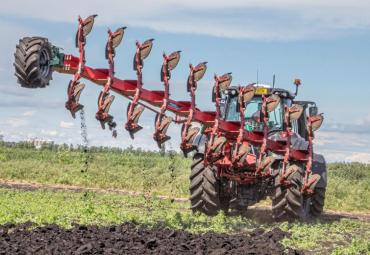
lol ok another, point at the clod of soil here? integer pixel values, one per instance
(128, 238)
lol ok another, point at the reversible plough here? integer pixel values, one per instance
(258, 141)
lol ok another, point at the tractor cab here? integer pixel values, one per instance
(253, 122)
(230, 110)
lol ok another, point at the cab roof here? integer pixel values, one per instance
(283, 93)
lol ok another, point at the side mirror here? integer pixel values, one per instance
(297, 83)
(313, 110)
(295, 112)
(272, 102)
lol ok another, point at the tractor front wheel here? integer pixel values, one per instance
(289, 202)
(32, 62)
(205, 189)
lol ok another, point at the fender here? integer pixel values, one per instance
(319, 167)
(199, 143)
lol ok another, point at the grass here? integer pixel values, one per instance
(128, 170)
(348, 189)
(67, 208)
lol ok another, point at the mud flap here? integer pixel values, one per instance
(319, 167)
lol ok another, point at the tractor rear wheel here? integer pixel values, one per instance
(205, 189)
(289, 202)
(32, 58)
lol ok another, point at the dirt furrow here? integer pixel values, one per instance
(128, 238)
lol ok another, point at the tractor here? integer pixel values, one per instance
(258, 142)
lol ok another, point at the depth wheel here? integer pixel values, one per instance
(32, 62)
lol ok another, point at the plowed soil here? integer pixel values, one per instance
(129, 238)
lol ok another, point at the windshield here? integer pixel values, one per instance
(252, 113)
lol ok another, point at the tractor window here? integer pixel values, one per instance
(276, 118)
(252, 114)
(253, 107)
(232, 111)
(222, 107)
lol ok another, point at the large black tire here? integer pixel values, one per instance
(317, 202)
(289, 203)
(32, 57)
(205, 189)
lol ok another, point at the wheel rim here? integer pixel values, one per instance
(44, 63)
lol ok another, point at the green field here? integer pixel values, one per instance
(67, 208)
(151, 172)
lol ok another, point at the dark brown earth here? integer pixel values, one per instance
(128, 238)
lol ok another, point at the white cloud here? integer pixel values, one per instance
(339, 146)
(343, 156)
(340, 139)
(52, 133)
(16, 122)
(257, 19)
(359, 157)
(29, 113)
(65, 124)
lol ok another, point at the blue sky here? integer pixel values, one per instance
(325, 43)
